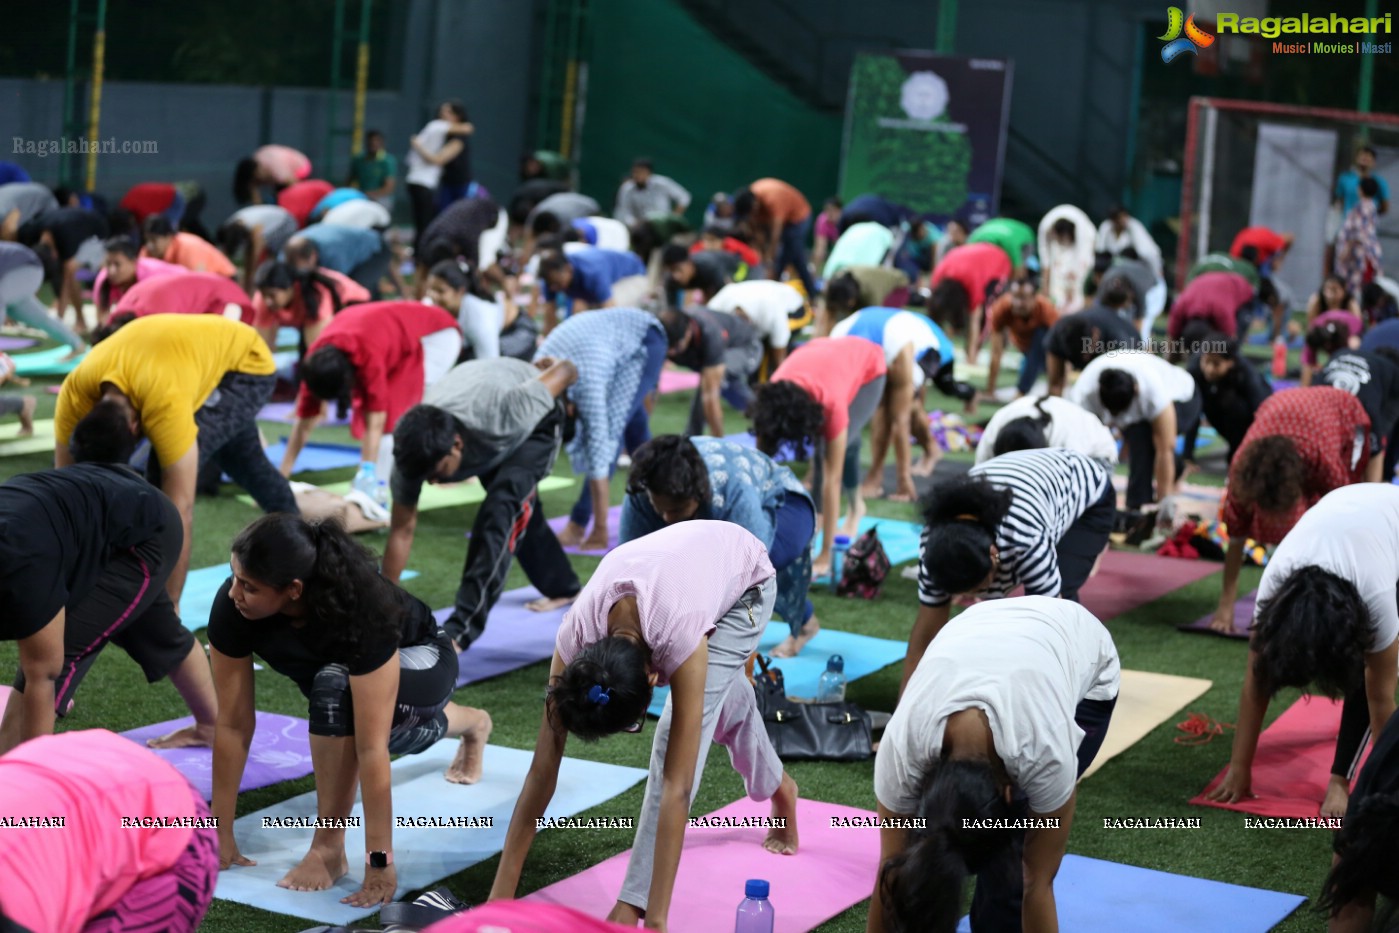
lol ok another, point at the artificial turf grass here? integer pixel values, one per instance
(1154, 778)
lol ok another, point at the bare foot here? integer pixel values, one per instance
(26, 416)
(873, 488)
(1337, 798)
(545, 604)
(572, 535)
(820, 569)
(782, 839)
(596, 541)
(466, 767)
(906, 492)
(792, 645)
(318, 871)
(927, 463)
(625, 914)
(188, 737)
(851, 526)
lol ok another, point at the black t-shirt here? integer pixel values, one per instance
(70, 228)
(458, 170)
(1373, 380)
(1072, 339)
(58, 530)
(711, 334)
(294, 652)
(714, 268)
(461, 225)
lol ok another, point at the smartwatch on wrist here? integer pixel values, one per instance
(378, 859)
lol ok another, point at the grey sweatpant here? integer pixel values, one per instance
(731, 719)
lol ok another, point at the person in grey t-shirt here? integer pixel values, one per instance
(21, 202)
(501, 420)
(646, 193)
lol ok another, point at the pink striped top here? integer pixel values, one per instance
(685, 577)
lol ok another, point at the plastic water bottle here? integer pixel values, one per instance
(1279, 358)
(755, 913)
(831, 687)
(381, 494)
(364, 480)
(838, 551)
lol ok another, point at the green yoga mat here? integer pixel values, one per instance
(48, 362)
(41, 441)
(443, 497)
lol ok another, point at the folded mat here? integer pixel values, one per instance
(1092, 894)
(614, 526)
(42, 439)
(1127, 580)
(10, 344)
(281, 751)
(48, 362)
(677, 380)
(863, 656)
(202, 585)
(900, 540)
(833, 870)
(515, 637)
(1145, 701)
(443, 497)
(286, 411)
(1243, 618)
(1292, 764)
(422, 855)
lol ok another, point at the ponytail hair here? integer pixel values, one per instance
(329, 374)
(1328, 338)
(1368, 847)
(921, 888)
(1028, 433)
(459, 276)
(605, 689)
(962, 519)
(349, 606)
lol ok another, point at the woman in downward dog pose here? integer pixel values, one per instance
(377, 670)
(652, 615)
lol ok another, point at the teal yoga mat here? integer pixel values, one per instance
(202, 585)
(863, 656)
(1096, 895)
(422, 855)
(48, 362)
(900, 540)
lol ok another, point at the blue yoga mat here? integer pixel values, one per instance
(422, 854)
(1097, 895)
(48, 362)
(900, 540)
(863, 656)
(315, 457)
(202, 585)
(288, 338)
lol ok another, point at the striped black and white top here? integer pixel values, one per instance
(1053, 487)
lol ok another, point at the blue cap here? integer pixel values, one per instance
(835, 663)
(755, 887)
(842, 540)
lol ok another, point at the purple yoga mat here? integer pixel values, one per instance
(514, 638)
(281, 751)
(1243, 618)
(286, 411)
(614, 524)
(16, 343)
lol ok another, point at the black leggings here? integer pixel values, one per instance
(1079, 548)
(1354, 734)
(1141, 447)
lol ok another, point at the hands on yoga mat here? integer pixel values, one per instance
(281, 751)
(515, 637)
(1292, 765)
(1243, 618)
(422, 854)
(1092, 894)
(832, 871)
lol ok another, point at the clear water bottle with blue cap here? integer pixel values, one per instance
(838, 552)
(831, 687)
(365, 481)
(755, 913)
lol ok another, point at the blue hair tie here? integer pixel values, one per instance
(599, 694)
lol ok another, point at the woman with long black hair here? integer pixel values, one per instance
(307, 300)
(490, 327)
(371, 661)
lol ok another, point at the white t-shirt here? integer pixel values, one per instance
(611, 234)
(1159, 384)
(768, 305)
(901, 329)
(1027, 663)
(1352, 532)
(431, 137)
(361, 212)
(481, 322)
(1070, 427)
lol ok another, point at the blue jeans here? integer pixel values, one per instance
(1033, 363)
(791, 251)
(638, 428)
(448, 195)
(790, 552)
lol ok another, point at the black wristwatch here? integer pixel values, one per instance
(378, 859)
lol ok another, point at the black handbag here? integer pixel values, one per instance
(809, 731)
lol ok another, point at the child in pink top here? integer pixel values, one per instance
(821, 398)
(683, 606)
(123, 268)
(93, 868)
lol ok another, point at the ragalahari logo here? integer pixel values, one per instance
(1177, 44)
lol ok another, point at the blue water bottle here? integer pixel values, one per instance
(755, 913)
(838, 551)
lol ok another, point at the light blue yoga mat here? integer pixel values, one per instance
(315, 457)
(422, 855)
(202, 585)
(288, 338)
(863, 656)
(1096, 895)
(900, 540)
(48, 362)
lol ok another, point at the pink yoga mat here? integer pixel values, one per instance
(677, 380)
(614, 525)
(1128, 580)
(833, 870)
(1243, 618)
(515, 637)
(281, 751)
(1293, 762)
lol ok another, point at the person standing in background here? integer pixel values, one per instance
(374, 171)
(442, 140)
(646, 193)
